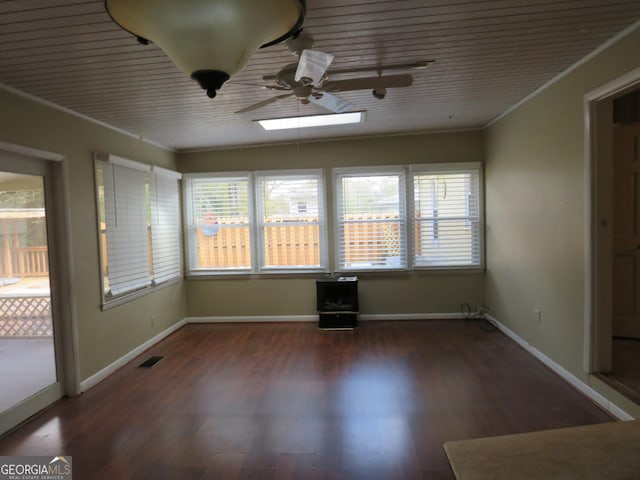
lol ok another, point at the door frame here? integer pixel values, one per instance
(19, 158)
(598, 147)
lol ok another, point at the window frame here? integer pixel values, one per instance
(150, 171)
(126, 229)
(342, 172)
(409, 172)
(189, 224)
(256, 234)
(319, 176)
(445, 168)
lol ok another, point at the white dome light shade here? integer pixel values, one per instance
(211, 40)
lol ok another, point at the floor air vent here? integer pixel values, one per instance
(150, 362)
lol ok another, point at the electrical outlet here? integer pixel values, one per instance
(153, 320)
(538, 315)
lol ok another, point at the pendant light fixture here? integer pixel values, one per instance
(210, 40)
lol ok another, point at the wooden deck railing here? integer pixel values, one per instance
(24, 262)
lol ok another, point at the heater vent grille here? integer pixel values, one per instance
(150, 362)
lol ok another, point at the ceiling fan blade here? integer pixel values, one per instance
(264, 103)
(313, 64)
(384, 68)
(368, 83)
(331, 102)
(264, 87)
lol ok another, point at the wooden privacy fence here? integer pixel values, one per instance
(295, 242)
(292, 245)
(370, 239)
(227, 245)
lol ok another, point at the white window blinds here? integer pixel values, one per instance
(165, 226)
(371, 220)
(139, 212)
(291, 220)
(447, 216)
(125, 215)
(256, 222)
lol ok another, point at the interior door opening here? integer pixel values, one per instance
(617, 194)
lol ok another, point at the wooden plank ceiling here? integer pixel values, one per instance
(488, 55)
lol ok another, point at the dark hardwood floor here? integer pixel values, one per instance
(289, 401)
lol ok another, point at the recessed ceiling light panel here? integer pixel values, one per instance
(312, 121)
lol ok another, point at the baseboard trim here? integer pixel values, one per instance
(122, 361)
(410, 316)
(574, 381)
(314, 318)
(254, 319)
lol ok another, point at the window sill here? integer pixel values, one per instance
(128, 297)
(204, 276)
(288, 274)
(416, 272)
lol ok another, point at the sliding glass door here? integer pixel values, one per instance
(29, 379)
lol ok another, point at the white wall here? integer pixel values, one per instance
(535, 192)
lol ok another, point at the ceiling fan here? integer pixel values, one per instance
(309, 81)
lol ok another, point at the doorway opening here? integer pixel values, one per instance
(614, 345)
(37, 348)
(27, 361)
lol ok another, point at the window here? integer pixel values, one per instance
(426, 216)
(139, 215)
(219, 229)
(371, 223)
(291, 218)
(445, 225)
(256, 222)
(165, 225)
(446, 216)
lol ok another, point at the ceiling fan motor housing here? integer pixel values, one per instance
(379, 93)
(302, 92)
(286, 76)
